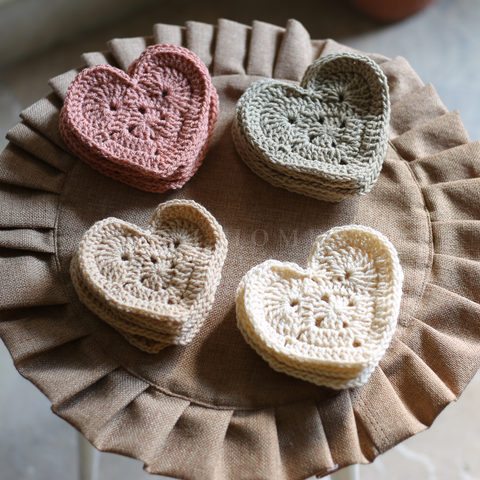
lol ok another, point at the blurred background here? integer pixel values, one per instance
(40, 39)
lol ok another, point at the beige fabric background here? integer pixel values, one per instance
(214, 409)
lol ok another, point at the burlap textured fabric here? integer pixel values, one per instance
(214, 409)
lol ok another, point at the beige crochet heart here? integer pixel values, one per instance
(332, 322)
(156, 286)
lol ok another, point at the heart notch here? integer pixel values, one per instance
(325, 138)
(331, 323)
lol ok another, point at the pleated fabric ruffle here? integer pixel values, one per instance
(434, 353)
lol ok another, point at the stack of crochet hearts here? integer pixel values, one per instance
(331, 323)
(325, 138)
(155, 286)
(149, 127)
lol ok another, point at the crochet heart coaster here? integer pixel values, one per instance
(331, 323)
(155, 286)
(325, 138)
(149, 127)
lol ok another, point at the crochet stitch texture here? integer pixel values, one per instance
(325, 138)
(329, 324)
(155, 286)
(149, 127)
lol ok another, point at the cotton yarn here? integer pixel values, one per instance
(155, 286)
(325, 138)
(150, 127)
(331, 323)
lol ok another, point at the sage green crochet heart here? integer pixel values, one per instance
(324, 138)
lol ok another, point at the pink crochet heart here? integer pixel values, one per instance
(149, 127)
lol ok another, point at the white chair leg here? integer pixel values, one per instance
(349, 473)
(88, 459)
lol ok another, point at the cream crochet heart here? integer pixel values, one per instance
(332, 322)
(325, 138)
(155, 286)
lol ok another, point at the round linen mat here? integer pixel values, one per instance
(214, 409)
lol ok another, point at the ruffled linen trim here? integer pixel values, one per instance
(403, 396)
